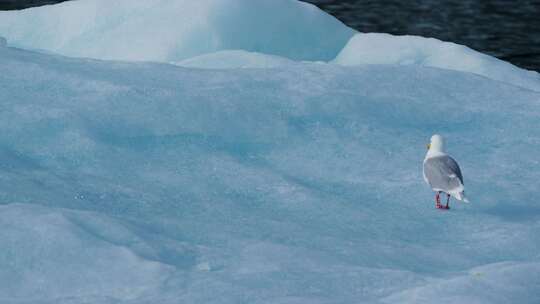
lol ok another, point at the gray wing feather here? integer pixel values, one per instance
(443, 173)
(454, 167)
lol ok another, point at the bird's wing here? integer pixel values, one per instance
(454, 167)
(424, 172)
(443, 173)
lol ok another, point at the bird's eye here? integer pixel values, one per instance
(428, 146)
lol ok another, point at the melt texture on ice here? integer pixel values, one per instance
(234, 59)
(376, 48)
(173, 30)
(61, 254)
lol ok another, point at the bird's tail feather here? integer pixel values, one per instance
(461, 196)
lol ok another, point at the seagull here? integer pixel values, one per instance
(442, 173)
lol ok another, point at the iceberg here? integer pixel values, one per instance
(165, 31)
(299, 185)
(242, 175)
(379, 48)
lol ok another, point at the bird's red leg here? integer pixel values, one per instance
(438, 200)
(447, 201)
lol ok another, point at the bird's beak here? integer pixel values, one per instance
(428, 146)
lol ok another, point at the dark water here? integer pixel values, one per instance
(507, 29)
(21, 4)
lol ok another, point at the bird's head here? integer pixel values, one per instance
(436, 144)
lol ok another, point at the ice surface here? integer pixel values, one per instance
(61, 254)
(248, 176)
(375, 48)
(174, 30)
(493, 283)
(153, 183)
(234, 59)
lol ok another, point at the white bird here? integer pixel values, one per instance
(442, 173)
